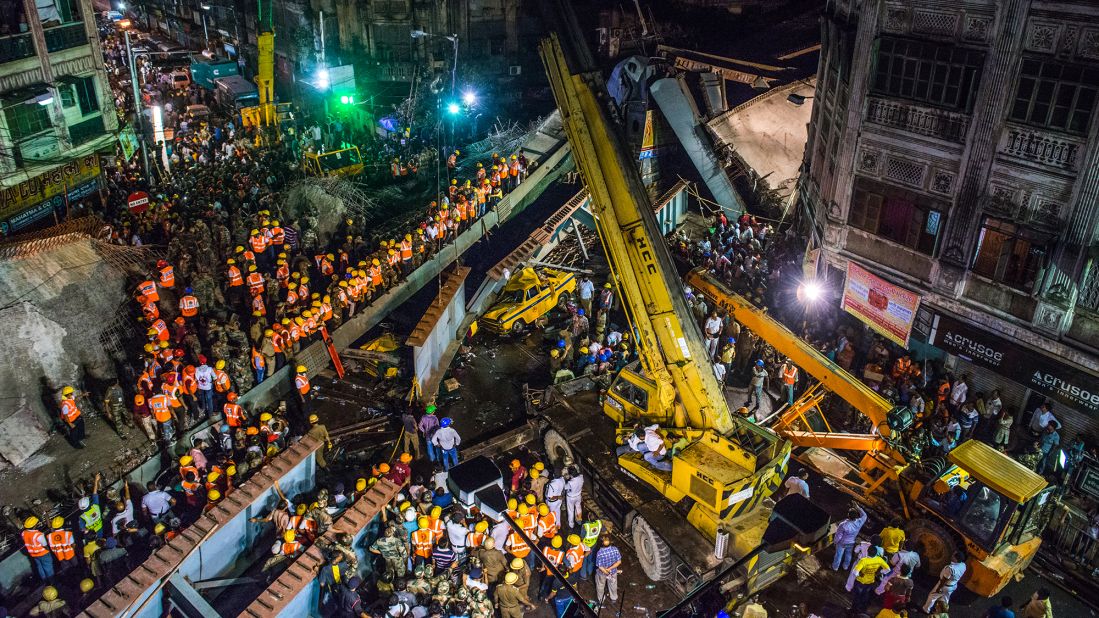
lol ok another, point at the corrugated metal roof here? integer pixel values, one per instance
(1003, 474)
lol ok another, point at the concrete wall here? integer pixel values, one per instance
(426, 358)
(50, 322)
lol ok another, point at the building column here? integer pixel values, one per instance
(985, 127)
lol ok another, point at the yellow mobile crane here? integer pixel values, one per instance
(1007, 506)
(722, 468)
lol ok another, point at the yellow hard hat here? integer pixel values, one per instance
(239, 249)
(534, 473)
(266, 416)
(512, 504)
(574, 539)
(213, 476)
(57, 522)
(289, 536)
(400, 507)
(556, 541)
(343, 284)
(423, 523)
(531, 500)
(300, 510)
(517, 564)
(219, 365)
(539, 466)
(268, 332)
(254, 232)
(275, 222)
(330, 256)
(150, 348)
(524, 509)
(543, 509)
(68, 390)
(511, 578)
(159, 529)
(305, 279)
(301, 369)
(30, 522)
(481, 526)
(186, 460)
(49, 593)
(307, 314)
(375, 262)
(214, 495)
(360, 485)
(436, 511)
(231, 471)
(230, 261)
(87, 584)
(313, 418)
(252, 268)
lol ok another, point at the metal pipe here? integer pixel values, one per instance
(139, 121)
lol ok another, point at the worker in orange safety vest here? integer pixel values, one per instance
(188, 304)
(38, 549)
(72, 417)
(167, 274)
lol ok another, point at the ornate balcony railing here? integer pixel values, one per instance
(1042, 147)
(949, 126)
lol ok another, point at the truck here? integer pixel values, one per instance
(1007, 506)
(235, 92)
(205, 71)
(529, 294)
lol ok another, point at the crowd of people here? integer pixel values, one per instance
(745, 256)
(243, 285)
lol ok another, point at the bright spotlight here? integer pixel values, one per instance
(469, 98)
(322, 79)
(811, 291)
(453, 109)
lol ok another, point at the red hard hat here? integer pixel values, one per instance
(161, 263)
(178, 353)
(170, 378)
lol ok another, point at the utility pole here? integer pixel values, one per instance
(138, 120)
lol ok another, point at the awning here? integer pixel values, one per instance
(24, 94)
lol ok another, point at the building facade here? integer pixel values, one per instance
(58, 111)
(953, 153)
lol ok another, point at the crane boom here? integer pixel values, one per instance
(830, 375)
(671, 350)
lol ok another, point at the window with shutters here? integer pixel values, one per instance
(26, 119)
(934, 73)
(85, 95)
(904, 217)
(1009, 253)
(1055, 95)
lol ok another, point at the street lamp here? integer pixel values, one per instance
(469, 98)
(205, 33)
(453, 38)
(453, 108)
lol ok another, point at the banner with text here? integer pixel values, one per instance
(884, 307)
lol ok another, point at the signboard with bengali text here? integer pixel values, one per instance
(887, 308)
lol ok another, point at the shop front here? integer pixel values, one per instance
(49, 196)
(1025, 376)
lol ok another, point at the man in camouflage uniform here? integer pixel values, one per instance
(114, 409)
(419, 585)
(480, 606)
(442, 593)
(393, 550)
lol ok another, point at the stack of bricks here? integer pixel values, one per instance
(164, 561)
(273, 600)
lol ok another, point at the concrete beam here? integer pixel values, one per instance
(296, 591)
(224, 529)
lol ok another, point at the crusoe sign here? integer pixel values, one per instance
(1068, 385)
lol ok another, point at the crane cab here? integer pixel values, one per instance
(995, 505)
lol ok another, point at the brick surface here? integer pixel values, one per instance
(300, 574)
(169, 557)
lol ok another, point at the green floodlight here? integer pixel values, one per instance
(453, 108)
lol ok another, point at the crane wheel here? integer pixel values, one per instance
(518, 327)
(557, 448)
(652, 552)
(935, 544)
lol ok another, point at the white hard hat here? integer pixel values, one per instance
(410, 514)
(84, 503)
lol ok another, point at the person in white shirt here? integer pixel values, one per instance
(554, 492)
(1042, 417)
(796, 483)
(204, 377)
(456, 531)
(447, 439)
(585, 291)
(948, 582)
(574, 487)
(959, 393)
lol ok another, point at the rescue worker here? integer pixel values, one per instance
(789, 380)
(422, 541)
(509, 599)
(301, 385)
(166, 274)
(38, 549)
(590, 531)
(62, 545)
(188, 304)
(318, 431)
(555, 555)
(71, 416)
(393, 550)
